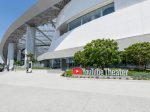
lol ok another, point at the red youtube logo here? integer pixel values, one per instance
(77, 71)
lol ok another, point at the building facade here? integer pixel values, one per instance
(76, 23)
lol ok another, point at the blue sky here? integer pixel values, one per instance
(10, 10)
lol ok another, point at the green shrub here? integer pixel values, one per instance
(139, 75)
(18, 63)
(69, 73)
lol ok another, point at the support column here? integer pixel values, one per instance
(36, 53)
(30, 42)
(10, 56)
(52, 63)
(67, 61)
(25, 58)
(19, 55)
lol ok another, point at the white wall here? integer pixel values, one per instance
(119, 4)
(127, 22)
(126, 42)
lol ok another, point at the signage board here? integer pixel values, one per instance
(99, 72)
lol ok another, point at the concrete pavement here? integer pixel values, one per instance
(43, 91)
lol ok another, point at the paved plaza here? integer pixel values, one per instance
(45, 91)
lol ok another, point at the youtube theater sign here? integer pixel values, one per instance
(99, 72)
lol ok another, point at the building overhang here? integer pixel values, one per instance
(39, 14)
(59, 54)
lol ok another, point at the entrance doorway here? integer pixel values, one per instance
(64, 64)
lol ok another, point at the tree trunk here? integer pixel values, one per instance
(102, 67)
(139, 66)
(145, 67)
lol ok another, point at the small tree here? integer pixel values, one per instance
(31, 57)
(18, 63)
(123, 57)
(138, 54)
(77, 58)
(100, 53)
(80, 59)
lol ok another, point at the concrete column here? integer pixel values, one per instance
(35, 53)
(30, 40)
(10, 56)
(25, 58)
(19, 55)
(67, 61)
(52, 63)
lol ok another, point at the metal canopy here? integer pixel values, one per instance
(39, 21)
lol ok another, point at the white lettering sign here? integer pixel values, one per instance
(106, 72)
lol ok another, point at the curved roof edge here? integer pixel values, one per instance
(35, 10)
(60, 53)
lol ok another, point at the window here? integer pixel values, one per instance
(92, 15)
(74, 24)
(97, 13)
(108, 9)
(70, 62)
(87, 18)
(56, 63)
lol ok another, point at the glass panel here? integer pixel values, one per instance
(74, 24)
(108, 9)
(92, 15)
(70, 62)
(87, 18)
(97, 13)
(56, 63)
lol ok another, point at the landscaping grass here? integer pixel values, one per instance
(139, 74)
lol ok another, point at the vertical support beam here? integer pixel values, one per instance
(30, 40)
(67, 61)
(25, 58)
(10, 56)
(36, 53)
(19, 55)
(52, 63)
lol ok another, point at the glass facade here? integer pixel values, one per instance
(61, 63)
(87, 18)
(97, 14)
(70, 63)
(57, 64)
(108, 9)
(72, 25)
(91, 16)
